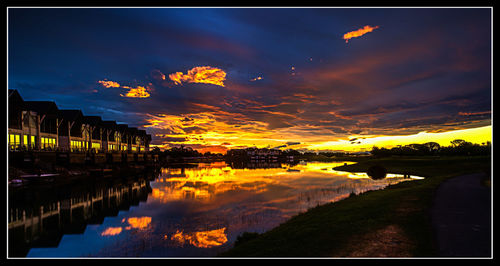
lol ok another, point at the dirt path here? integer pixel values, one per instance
(461, 217)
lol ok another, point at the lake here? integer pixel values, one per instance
(195, 210)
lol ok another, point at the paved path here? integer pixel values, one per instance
(461, 217)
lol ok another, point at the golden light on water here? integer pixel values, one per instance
(244, 196)
(201, 239)
(206, 182)
(138, 222)
(111, 231)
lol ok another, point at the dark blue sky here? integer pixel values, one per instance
(422, 69)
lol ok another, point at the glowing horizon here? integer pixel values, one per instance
(477, 135)
(213, 141)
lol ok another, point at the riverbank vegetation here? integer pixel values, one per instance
(393, 222)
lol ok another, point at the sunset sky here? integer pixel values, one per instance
(304, 78)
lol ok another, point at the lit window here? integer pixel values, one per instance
(48, 142)
(33, 142)
(76, 145)
(14, 141)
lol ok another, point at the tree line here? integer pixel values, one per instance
(457, 147)
(180, 152)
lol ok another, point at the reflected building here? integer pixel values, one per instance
(40, 218)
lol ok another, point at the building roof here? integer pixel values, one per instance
(42, 107)
(70, 115)
(133, 130)
(15, 99)
(11, 92)
(109, 124)
(92, 120)
(122, 127)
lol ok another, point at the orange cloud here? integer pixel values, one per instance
(359, 32)
(138, 92)
(204, 74)
(476, 113)
(257, 78)
(109, 84)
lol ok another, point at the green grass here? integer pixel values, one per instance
(328, 229)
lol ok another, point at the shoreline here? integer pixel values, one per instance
(396, 218)
(398, 215)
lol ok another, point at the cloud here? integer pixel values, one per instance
(157, 75)
(137, 92)
(359, 32)
(203, 74)
(171, 139)
(109, 84)
(474, 113)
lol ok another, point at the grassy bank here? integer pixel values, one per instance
(359, 225)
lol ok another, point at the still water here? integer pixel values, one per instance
(193, 211)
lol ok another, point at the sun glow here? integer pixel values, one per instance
(211, 131)
(475, 135)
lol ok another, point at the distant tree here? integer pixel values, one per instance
(433, 147)
(458, 142)
(418, 149)
(291, 152)
(457, 147)
(377, 172)
(381, 152)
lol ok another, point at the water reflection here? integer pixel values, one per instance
(40, 217)
(203, 239)
(200, 210)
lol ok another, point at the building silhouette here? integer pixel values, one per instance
(41, 125)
